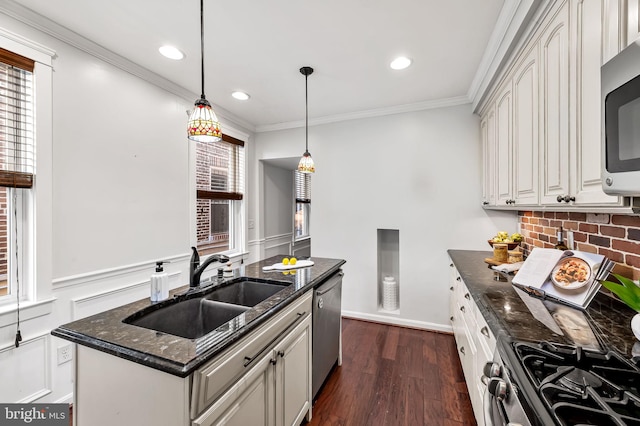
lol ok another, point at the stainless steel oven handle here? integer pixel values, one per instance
(486, 407)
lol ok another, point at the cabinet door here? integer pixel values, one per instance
(525, 128)
(614, 39)
(586, 105)
(554, 70)
(633, 20)
(249, 401)
(504, 164)
(488, 132)
(293, 375)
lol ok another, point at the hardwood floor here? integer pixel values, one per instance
(394, 376)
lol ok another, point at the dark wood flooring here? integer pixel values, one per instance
(394, 376)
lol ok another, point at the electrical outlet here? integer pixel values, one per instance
(65, 354)
(252, 224)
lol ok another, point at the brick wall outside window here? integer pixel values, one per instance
(615, 236)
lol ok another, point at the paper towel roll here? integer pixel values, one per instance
(389, 294)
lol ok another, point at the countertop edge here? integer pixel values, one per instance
(185, 369)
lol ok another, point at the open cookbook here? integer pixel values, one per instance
(571, 277)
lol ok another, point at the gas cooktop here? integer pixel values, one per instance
(582, 387)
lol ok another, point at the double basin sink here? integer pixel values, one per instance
(196, 313)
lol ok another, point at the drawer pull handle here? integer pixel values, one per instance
(451, 318)
(462, 308)
(451, 288)
(458, 279)
(281, 354)
(462, 350)
(467, 296)
(451, 265)
(484, 330)
(273, 361)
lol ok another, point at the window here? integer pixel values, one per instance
(16, 166)
(303, 205)
(219, 183)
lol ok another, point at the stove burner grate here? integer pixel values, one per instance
(581, 387)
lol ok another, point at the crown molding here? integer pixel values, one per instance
(512, 21)
(397, 109)
(59, 32)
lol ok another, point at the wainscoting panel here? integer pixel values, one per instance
(25, 374)
(85, 306)
(277, 244)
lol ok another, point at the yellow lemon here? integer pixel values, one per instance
(292, 261)
(285, 261)
(285, 272)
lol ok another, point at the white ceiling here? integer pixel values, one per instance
(259, 46)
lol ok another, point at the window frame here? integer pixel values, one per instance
(35, 222)
(237, 206)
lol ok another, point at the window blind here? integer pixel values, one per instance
(303, 187)
(17, 163)
(220, 169)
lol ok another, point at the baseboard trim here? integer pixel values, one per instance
(402, 322)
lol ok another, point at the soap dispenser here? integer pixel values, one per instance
(159, 283)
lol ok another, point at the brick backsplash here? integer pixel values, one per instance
(614, 236)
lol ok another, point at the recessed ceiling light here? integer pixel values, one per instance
(400, 63)
(171, 52)
(241, 96)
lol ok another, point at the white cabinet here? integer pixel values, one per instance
(554, 96)
(585, 108)
(475, 342)
(488, 129)
(547, 112)
(503, 145)
(263, 379)
(525, 128)
(275, 391)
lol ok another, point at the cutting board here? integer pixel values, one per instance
(283, 267)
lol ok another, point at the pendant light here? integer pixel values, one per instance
(306, 162)
(203, 124)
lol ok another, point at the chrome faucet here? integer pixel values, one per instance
(196, 270)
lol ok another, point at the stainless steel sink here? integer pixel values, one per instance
(245, 293)
(199, 312)
(190, 318)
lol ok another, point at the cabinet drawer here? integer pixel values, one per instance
(210, 381)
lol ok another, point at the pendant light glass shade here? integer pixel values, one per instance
(306, 162)
(203, 125)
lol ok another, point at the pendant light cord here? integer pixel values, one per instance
(202, 45)
(306, 117)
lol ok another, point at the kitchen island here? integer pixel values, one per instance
(127, 374)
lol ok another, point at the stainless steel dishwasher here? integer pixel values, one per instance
(327, 301)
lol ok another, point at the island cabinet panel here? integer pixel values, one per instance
(114, 391)
(249, 401)
(263, 379)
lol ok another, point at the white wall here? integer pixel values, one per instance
(122, 197)
(417, 172)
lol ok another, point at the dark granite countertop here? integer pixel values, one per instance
(513, 314)
(179, 356)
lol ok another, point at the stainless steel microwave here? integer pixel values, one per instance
(620, 83)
